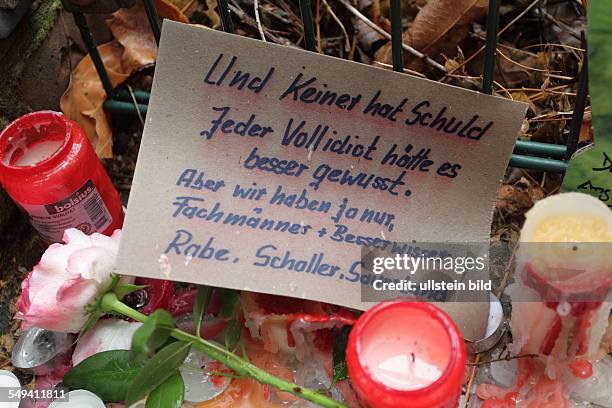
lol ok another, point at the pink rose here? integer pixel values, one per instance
(108, 334)
(68, 277)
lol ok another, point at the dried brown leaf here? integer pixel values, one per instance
(131, 28)
(212, 14)
(513, 200)
(586, 129)
(133, 48)
(85, 94)
(522, 97)
(444, 20)
(438, 28)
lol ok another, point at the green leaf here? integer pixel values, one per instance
(339, 356)
(153, 333)
(229, 300)
(159, 368)
(232, 334)
(108, 374)
(124, 290)
(169, 394)
(200, 306)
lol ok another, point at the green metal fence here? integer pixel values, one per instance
(527, 154)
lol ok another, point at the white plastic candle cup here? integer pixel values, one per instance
(9, 383)
(79, 399)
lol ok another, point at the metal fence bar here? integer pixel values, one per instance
(121, 101)
(226, 16)
(540, 149)
(490, 46)
(579, 105)
(81, 23)
(125, 108)
(124, 95)
(153, 19)
(538, 163)
(307, 21)
(397, 47)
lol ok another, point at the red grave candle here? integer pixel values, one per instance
(52, 172)
(406, 354)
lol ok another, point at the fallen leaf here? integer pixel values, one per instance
(212, 14)
(513, 200)
(586, 129)
(133, 48)
(522, 97)
(443, 23)
(85, 94)
(131, 28)
(437, 29)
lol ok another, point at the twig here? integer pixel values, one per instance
(508, 94)
(468, 392)
(406, 70)
(135, 104)
(250, 21)
(504, 281)
(518, 63)
(554, 45)
(385, 34)
(347, 44)
(474, 55)
(187, 6)
(507, 358)
(258, 21)
(318, 22)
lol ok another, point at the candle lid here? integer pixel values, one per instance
(8, 380)
(37, 350)
(496, 327)
(427, 369)
(202, 387)
(79, 399)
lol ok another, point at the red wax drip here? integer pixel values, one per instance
(552, 336)
(581, 368)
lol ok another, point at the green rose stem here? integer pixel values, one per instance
(110, 303)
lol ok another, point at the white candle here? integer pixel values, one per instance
(79, 399)
(8, 379)
(38, 152)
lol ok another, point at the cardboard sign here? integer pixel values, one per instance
(266, 168)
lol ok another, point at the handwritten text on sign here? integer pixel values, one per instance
(267, 168)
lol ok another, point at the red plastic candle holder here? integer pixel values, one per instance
(406, 354)
(52, 172)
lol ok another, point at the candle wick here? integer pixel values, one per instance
(413, 357)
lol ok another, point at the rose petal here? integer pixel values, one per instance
(109, 334)
(92, 263)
